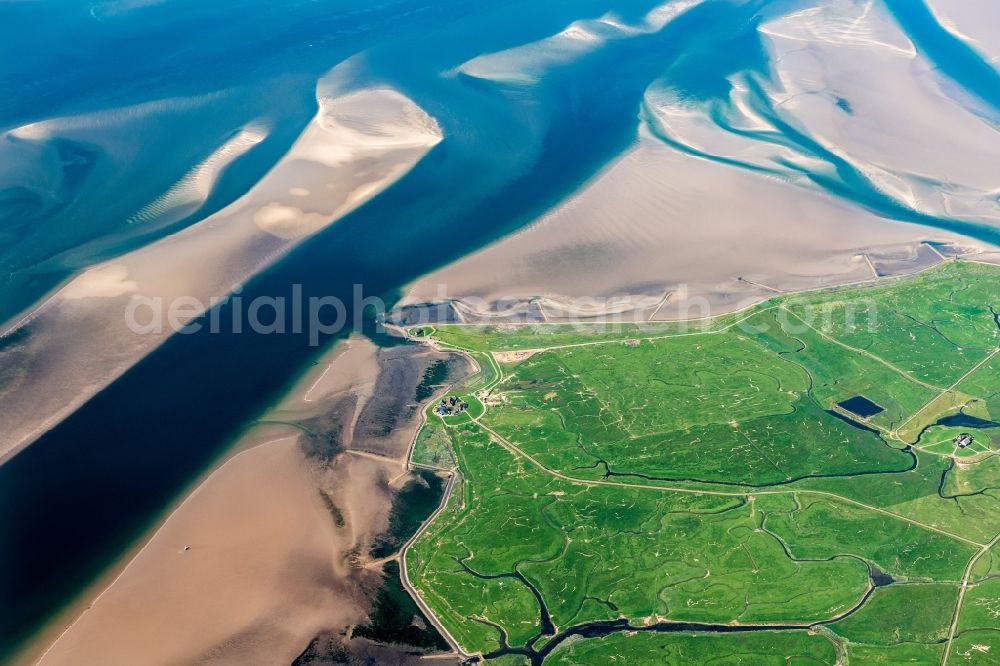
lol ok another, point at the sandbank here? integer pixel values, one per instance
(269, 549)
(78, 340)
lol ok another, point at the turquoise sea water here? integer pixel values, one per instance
(160, 85)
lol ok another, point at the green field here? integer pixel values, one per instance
(667, 493)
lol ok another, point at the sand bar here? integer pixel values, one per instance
(253, 560)
(360, 141)
(229, 564)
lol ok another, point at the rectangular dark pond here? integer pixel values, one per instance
(861, 406)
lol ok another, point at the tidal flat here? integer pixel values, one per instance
(281, 545)
(580, 157)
